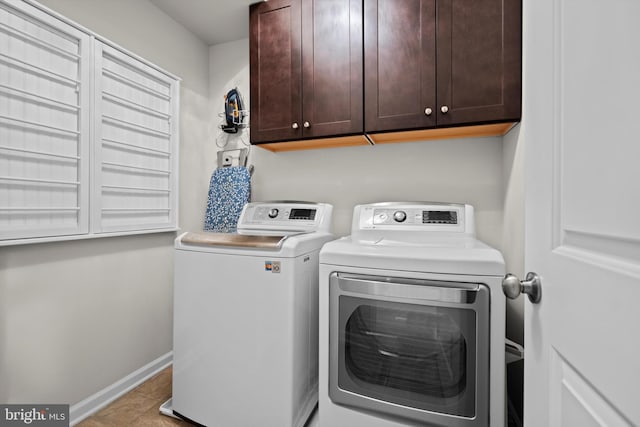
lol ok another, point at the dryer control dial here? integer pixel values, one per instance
(399, 216)
(273, 213)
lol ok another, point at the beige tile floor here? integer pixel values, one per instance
(139, 407)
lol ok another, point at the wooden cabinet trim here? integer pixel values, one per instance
(309, 144)
(478, 131)
(496, 129)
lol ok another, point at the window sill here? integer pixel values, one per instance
(15, 242)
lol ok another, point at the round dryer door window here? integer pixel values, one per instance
(409, 354)
(413, 348)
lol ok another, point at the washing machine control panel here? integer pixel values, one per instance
(280, 213)
(414, 217)
(286, 215)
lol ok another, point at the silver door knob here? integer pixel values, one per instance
(444, 109)
(532, 286)
(295, 125)
(428, 111)
(306, 124)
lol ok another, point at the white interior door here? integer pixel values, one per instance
(581, 128)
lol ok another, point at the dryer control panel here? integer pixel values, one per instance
(286, 216)
(420, 217)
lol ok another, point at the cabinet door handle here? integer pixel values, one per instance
(306, 124)
(444, 109)
(428, 111)
(295, 125)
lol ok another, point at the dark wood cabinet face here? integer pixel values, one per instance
(332, 67)
(322, 68)
(276, 70)
(441, 63)
(478, 61)
(400, 64)
(306, 69)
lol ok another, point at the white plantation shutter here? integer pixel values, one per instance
(88, 133)
(135, 147)
(44, 125)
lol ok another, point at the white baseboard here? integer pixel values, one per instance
(94, 403)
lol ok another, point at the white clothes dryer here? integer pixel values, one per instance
(246, 318)
(412, 321)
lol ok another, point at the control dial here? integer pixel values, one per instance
(273, 212)
(399, 216)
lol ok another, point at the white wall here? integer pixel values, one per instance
(513, 228)
(76, 317)
(466, 170)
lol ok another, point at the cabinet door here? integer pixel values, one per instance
(275, 67)
(479, 61)
(332, 67)
(400, 72)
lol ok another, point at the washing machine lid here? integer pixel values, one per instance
(438, 254)
(259, 244)
(277, 228)
(267, 241)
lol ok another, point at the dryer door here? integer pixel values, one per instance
(416, 349)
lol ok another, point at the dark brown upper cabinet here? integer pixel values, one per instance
(306, 69)
(441, 63)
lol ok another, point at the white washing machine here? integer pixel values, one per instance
(246, 318)
(412, 321)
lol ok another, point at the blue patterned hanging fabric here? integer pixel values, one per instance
(229, 191)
